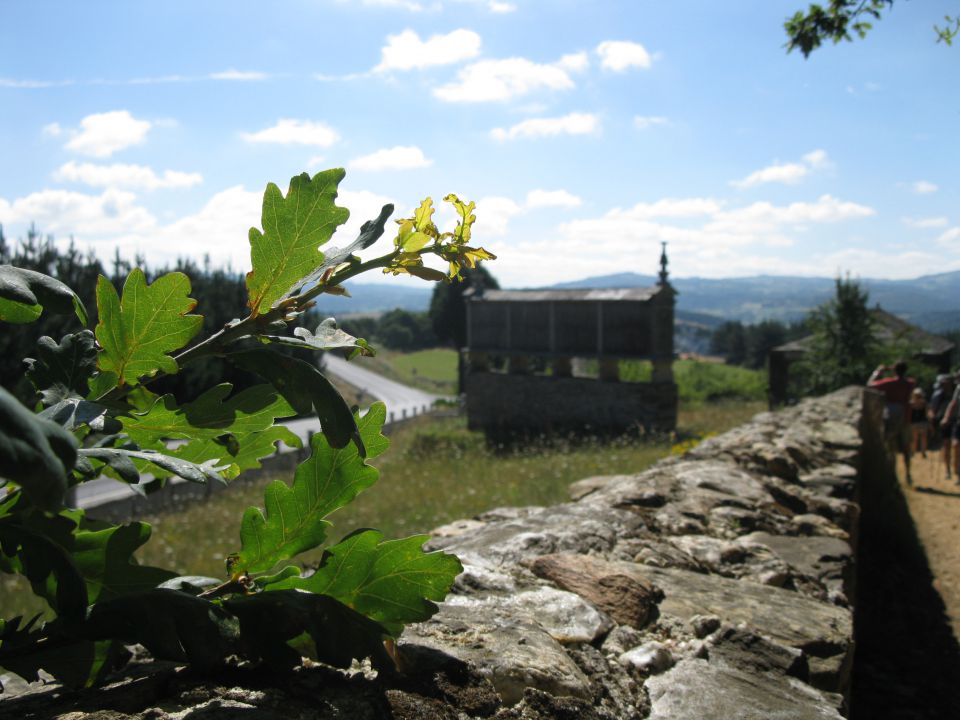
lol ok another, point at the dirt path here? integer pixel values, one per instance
(934, 503)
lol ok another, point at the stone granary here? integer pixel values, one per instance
(928, 349)
(540, 337)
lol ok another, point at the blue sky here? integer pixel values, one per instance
(587, 131)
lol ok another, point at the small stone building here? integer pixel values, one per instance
(525, 348)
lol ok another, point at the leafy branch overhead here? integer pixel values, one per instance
(840, 19)
(98, 415)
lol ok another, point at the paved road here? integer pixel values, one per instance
(402, 402)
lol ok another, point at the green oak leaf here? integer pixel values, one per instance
(465, 224)
(327, 336)
(370, 232)
(209, 416)
(74, 662)
(280, 627)
(295, 517)
(390, 581)
(138, 331)
(35, 453)
(72, 561)
(172, 625)
(123, 462)
(71, 412)
(306, 389)
(294, 227)
(24, 294)
(106, 562)
(250, 449)
(37, 546)
(68, 364)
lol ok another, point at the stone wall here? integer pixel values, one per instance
(714, 585)
(503, 405)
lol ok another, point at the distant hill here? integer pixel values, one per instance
(931, 301)
(375, 297)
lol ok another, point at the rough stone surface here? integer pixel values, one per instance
(713, 585)
(625, 598)
(513, 653)
(696, 689)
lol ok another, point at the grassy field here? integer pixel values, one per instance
(433, 371)
(697, 382)
(435, 472)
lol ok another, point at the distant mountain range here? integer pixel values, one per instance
(931, 301)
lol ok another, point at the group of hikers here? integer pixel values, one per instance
(911, 421)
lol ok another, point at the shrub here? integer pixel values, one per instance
(99, 416)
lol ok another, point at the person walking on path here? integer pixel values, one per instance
(951, 424)
(936, 411)
(919, 425)
(897, 390)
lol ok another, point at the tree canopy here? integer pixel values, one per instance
(844, 348)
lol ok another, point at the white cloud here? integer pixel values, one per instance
(52, 130)
(762, 217)
(923, 187)
(289, 131)
(950, 238)
(787, 173)
(239, 75)
(705, 238)
(817, 159)
(220, 227)
(124, 176)
(407, 51)
(498, 80)
(103, 134)
(572, 124)
(32, 84)
(621, 55)
(501, 7)
(400, 157)
(494, 215)
(642, 122)
(928, 222)
(667, 208)
(66, 212)
(552, 198)
(410, 5)
(574, 62)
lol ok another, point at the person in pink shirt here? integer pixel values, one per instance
(897, 389)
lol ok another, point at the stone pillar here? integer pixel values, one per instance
(662, 370)
(519, 365)
(562, 367)
(479, 362)
(609, 370)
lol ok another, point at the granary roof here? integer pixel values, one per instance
(888, 328)
(597, 294)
